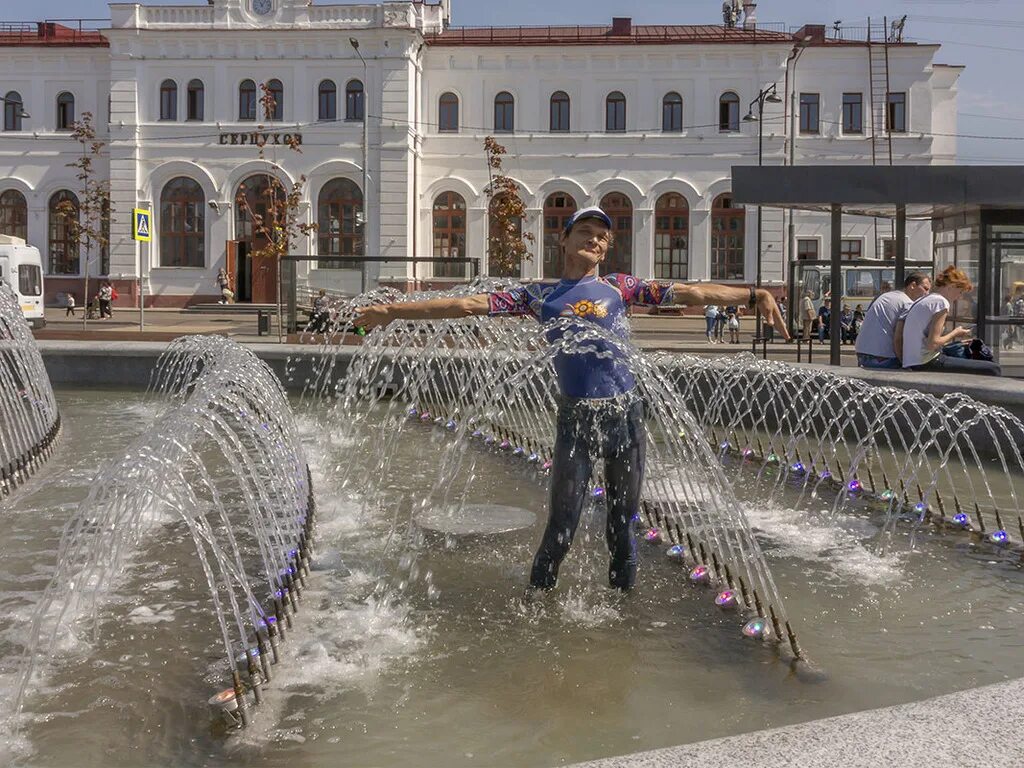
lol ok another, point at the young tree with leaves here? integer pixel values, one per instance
(88, 223)
(506, 243)
(281, 223)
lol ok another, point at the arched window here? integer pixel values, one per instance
(354, 100)
(63, 251)
(182, 224)
(620, 255)
(727, 238)
(14, 214)
(195, 97)
(504, 113)
(449, 228)
(559, 112)
(13, 109)
(672, 112)
(671, 237)
(339, 223)
(168, 100)
(275, 109)
(729, 112)
(327, 100)
(448, 113)
(615, 112)
(494, 267)
(247, 100)
(65, 111)
(558, 207)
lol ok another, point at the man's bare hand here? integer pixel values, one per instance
(370, 317)
(769, 310)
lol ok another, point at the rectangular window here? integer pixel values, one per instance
(807, 248)
(810, 109)
(851, 249)
(896, 113)
(615, 115)
(448, 115)
(559, 115)
(195, 104)
(853, 113)
(30, 280)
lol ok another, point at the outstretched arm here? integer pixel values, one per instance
(710, 293)
(434, 309)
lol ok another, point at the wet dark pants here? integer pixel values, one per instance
(612, 430)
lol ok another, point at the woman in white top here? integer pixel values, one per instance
(710, 317)
(923, 326)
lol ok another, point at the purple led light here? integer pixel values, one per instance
(854, 486)
(546, 465)
(505, 445)
(747, 453)
(652, 535)
(700, 575)
(425, 416)
(726, 599)
(825, 475)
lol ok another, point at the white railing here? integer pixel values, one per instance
(343, 15)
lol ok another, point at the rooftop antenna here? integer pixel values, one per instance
(731, 10)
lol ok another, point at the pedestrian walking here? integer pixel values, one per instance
(69, 305)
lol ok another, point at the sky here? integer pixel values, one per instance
(987, 36)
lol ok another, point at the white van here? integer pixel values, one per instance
(21, 267)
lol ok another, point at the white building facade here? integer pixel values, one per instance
(645, 121)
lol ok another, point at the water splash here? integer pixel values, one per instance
(29, 421)
(223, 457)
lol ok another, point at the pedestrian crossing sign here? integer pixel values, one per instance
(142, 224)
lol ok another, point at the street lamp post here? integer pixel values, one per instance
(22, 114)
(768, 94)
(366, 163)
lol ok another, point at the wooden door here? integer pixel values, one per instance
(231, 263)
(264, 280)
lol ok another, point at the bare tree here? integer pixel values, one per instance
(280, 224)
(506, 243)
(88, 223)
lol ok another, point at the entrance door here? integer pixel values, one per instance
(257, 275)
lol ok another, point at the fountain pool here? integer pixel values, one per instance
(422, 648)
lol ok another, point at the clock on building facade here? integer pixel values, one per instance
(262, 7)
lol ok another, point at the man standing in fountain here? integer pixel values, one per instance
(600, 413)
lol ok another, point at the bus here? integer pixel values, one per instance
(862, 282)
(21, 267)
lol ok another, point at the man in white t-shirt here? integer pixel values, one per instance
(879, 341)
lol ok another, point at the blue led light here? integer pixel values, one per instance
(519, 451)
(797, 468)
(999, 537)
(920, 508)
(824, 475)
(961, 519)
(598, 492)
(414, 411)
(450, 425)
(724, 446)
(676, 551)
(477, 433)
